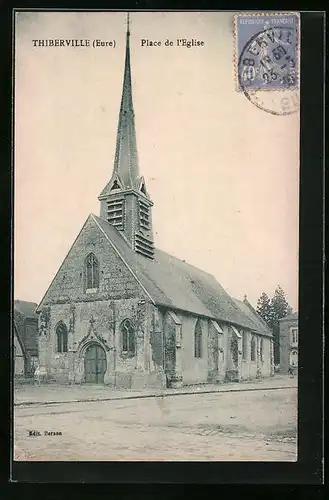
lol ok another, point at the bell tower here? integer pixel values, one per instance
(125, 202)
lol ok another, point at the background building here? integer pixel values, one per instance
(289, 343)
(25, 339)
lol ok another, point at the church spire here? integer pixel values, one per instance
(126, 159)
(125, 202)
(128, 32)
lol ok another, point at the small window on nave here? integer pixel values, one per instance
(253, 349)
(198, 340)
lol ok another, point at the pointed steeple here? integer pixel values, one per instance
(125, 202)
(126, 158)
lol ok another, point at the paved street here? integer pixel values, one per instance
(246, 425)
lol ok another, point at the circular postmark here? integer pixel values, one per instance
(268, 70)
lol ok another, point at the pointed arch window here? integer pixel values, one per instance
(253, 349)
(61, 334)
(261, 349)
(92, 272)
(128, 340)
(244, 345)
(198, 340)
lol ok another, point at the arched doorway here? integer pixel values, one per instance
(95, 364)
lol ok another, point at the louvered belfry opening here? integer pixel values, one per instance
(144, 215)
(143, 243)
(125, 202)
(144, 246)
(115, 212)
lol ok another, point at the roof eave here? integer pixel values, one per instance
(215, 318)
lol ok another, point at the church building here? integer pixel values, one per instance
(123, 313)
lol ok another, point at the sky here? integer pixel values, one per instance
(222, 173)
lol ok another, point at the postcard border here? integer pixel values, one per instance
(309, 468)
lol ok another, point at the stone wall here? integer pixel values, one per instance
(258, 368)
(265, 365)
(194, 370)
(115, 279)
(100, 322)
(246, 365)
(215, 353)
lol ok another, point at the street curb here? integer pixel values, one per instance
(153, 395)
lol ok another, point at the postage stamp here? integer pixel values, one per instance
(267, 51)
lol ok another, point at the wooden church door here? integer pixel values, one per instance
(95, 364)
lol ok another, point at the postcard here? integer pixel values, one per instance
(156, 170)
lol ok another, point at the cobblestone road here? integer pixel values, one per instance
(259, 425)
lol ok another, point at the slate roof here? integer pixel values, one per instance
(171, 282)
(290, 317)
(25, 308)
(249, 311)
